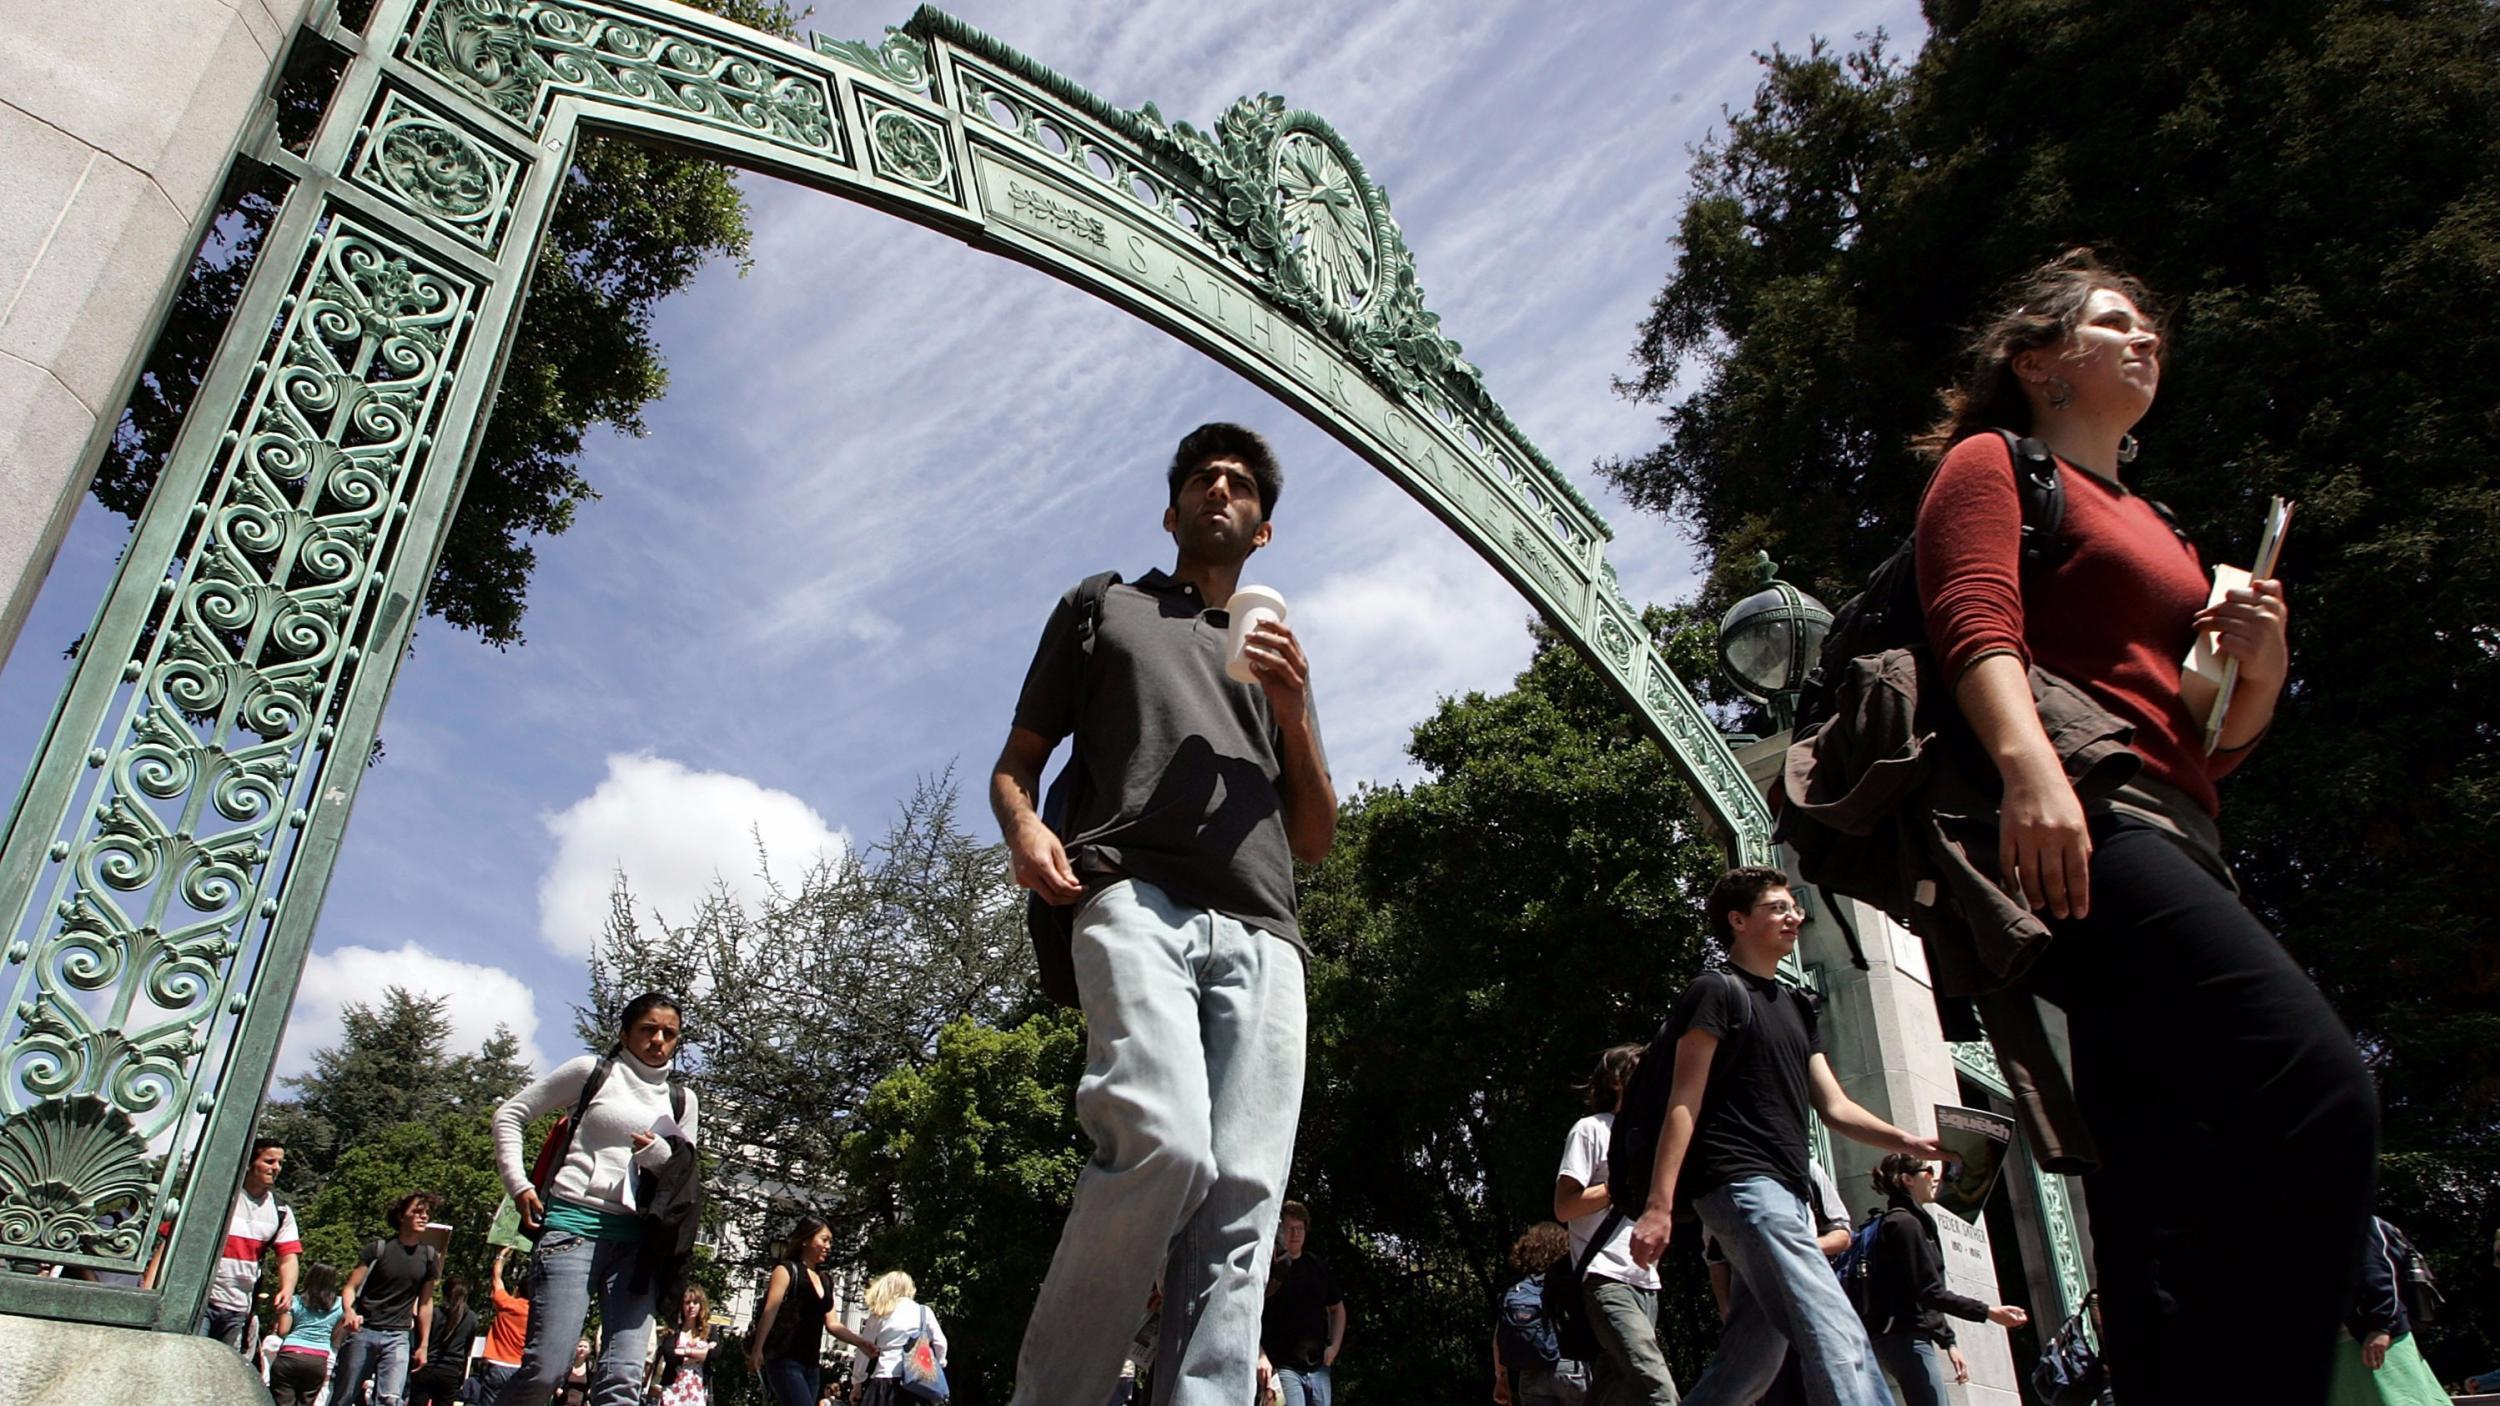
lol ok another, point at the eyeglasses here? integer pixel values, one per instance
(1783, 908)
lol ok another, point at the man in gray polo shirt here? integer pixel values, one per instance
(1196, 795)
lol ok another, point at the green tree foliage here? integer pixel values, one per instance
(2315, 186)
(451, 1156)
(635, 224)
(1481, 936)
(962, 1169)
(390, 1067)
(798, 1005)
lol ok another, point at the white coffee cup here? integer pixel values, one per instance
(1249, 606)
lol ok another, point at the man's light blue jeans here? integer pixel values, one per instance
(1192, 1088)
(1309, 1388)
(1783, 1293)
(565, 1270)
(379, 1353)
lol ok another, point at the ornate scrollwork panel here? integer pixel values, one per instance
(511, 54)
(432, 165)
(910, 149)
(128, 962)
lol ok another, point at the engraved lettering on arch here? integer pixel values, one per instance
(1137, 252)
(1393, 424)
(1180, 280)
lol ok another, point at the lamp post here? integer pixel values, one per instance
(1768, 642)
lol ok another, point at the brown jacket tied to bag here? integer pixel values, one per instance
(1892, 803)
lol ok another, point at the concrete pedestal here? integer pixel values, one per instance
(116, 118)
(46, 1362)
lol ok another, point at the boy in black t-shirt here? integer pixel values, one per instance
(391, 1289)
(1733, 1152)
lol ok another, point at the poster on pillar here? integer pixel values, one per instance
(1975, 1144)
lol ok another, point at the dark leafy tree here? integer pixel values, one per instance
(1480, 936)
(2315, 186)
(797, 1005)
(635, 224)
(962, 1169)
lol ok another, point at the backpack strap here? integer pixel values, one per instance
(1059, 802)
(677, 1097)
(1597, 1241)
(2043, 493)
(591, 1084)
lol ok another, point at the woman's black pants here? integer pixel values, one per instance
(2237, 1126)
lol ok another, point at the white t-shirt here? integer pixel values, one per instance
(1584, 1161)
(894, 1331)
(255, 1228)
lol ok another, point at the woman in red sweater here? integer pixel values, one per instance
(2236, 1123)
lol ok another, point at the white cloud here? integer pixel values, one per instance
(479, 998)
(675, 833)
(1388, 639)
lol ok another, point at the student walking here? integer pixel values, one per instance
(627, 1114)
(392, 1283)
(2377, 1362)
(307, 1326)
(1193, 794)
(787, 1345)
(259, 1225)
(1529, 1368)
(1907, 1300)
(681, 1370)
(896, 1320)
(2146, 933)
(506, 1335)
(1622, 1294)
(1732, 1152)
(450, 1328)
(1831, 1227)
(1302, 1329)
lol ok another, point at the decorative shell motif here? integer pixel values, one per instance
(66, 1166)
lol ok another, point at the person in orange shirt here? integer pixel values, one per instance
(504, 1336)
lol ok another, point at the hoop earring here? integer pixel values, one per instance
(2061, 393)
(2128, 448)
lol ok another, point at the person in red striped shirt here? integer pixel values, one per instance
(260, 1224)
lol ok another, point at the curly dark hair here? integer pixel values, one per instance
(2040, 308)
(1538, 1247)
(1220, 440)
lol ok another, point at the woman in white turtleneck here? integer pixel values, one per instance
(591, 1227)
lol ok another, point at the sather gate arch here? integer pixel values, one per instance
(166, 859)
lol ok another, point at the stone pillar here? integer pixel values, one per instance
(117, 118)
(1881, 1034)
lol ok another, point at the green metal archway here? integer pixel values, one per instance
(167, 857)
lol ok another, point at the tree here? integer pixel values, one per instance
(389, 1068)
(797, 1006)
(2329, 344)
(1480, 936)
(962, 1169)
(451, 1156)
(634, 225)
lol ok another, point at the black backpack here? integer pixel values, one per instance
(1053, 928)
(1633, 1150)
(1565, 1297)
(1886, 615)
(2416, 1286)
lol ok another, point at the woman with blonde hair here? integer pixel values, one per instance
(896, 1320)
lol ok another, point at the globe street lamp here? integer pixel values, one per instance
(1768, 642)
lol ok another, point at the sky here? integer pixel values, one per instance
(883, 455)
